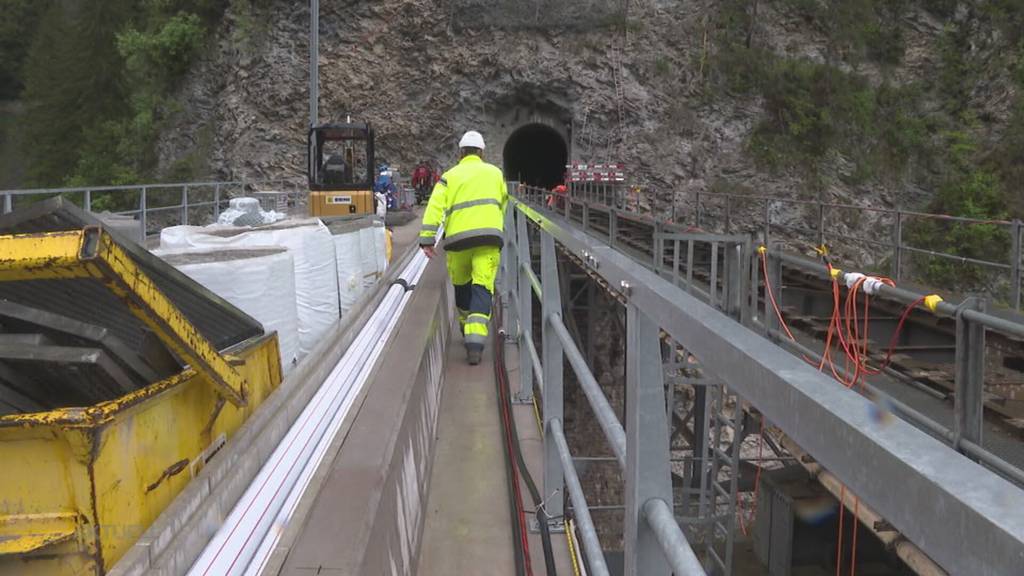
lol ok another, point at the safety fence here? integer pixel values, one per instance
(905, 244)
(729, 280)
(641, 447)
(916, 470)
(156, 206)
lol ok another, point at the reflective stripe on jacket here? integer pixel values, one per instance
(470, 201)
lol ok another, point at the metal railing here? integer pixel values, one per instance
(157, 205)
(916, 482)
(641, 448)
(884, 231)
(738, 297)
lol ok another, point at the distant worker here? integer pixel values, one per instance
(557, 197)
(422, 180)
(468, 205)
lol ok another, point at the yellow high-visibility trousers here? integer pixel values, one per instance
(473, 272)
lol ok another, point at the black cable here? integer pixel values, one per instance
(538, 502)
(517, 528)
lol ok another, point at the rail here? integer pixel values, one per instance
(916, 482)
(889, 230)
(184, 201)
(646, 421)
(739, 295)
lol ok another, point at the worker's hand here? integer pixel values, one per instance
(428, 251)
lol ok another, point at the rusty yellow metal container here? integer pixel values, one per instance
(79, 485)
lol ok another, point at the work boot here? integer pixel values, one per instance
(473, 355)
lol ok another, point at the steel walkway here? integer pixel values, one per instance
(468, 527)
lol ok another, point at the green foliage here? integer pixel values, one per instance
(814, 109)
(18, 22)
(968, 191)
(98, 82)
(163, 55)
(857, 29)
(662, 67)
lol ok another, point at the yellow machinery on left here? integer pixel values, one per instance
(120, 379)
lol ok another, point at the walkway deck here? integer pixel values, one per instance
(468, 528)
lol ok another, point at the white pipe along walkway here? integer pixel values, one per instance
(245, 541)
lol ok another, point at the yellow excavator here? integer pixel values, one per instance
(341, 169)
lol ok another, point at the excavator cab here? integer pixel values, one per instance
(341, 169)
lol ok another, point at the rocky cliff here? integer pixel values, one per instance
(693, 96)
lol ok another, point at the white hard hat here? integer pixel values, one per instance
(472, 139)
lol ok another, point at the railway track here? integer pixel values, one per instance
(922, 369)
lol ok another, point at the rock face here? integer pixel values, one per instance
(613, 85)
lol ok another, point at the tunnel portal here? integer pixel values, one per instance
(536, 154)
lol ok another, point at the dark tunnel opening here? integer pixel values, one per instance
(536, 154)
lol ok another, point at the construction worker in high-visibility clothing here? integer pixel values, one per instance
(468, 206)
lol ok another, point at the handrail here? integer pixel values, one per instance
(673, 542)
(603, 410)
(830, 421)
(591, 544)
(133, 187)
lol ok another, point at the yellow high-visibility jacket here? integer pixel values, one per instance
(470, 201)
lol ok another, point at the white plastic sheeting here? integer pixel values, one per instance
(368, 256)
(260, 283)
(248, 212)
(243, 543)
(311, 246)
(380, 247)
(348, 252)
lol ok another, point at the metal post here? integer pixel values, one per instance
(658, 248)
(314, 62)
(142, 215)
(509, 277)
(771, 321)
(525, 308)
(553, 360)
(87, 201)
(897, 259)
(968, 402)
(647, 450)
(821, 223)
(588, 534)
(1015, 273)
(184, 205)
(216, 201)
(767, 221)
(586, 215)
(7, 203)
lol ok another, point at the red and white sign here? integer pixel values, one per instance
(605, 172)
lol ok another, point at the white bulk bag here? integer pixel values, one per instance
(368, 256)
(311, 245)
(380, 247)
(260, 283)
(348, 254)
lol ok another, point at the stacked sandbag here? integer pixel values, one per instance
(348, 254)
(311, 246)
(380, 246)
(368, 256)
(259, 282)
